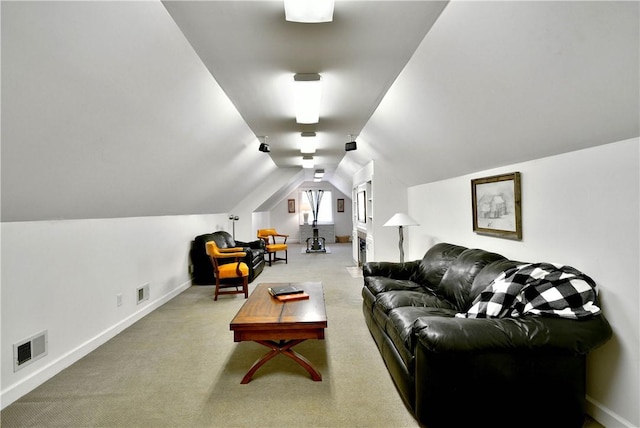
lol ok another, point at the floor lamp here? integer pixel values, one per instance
(401, 220)
(233, 219)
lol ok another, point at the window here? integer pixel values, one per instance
(325, 213)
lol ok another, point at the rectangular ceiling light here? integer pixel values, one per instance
(307, 162)
(319, 173)
(308, 142)
(308, 11)
(307, 90)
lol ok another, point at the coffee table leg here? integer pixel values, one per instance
(285, 349)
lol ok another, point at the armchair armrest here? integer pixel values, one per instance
(228, 253)
(230, 250)
(439, 335)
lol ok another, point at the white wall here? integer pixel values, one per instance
(63, 277)
(580, 209)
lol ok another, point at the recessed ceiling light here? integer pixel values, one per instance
(308, 11)
(307, 162)
(307, 91)
(308, 142)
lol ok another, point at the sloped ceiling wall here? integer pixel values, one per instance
(496, 83)
(108, 112)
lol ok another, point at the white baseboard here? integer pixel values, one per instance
(606, 416)
(17, 390)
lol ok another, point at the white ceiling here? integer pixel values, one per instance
(120, 109)
(253, 54)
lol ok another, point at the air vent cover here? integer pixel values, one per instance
(29, 350)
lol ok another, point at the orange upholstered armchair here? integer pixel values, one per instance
(229, 275)
(271, 238)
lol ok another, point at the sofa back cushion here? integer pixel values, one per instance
(484, 278)
(456, 284)
(435, 263)
(223, 239)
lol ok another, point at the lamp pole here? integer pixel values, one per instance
(401, 244)
(233, 219)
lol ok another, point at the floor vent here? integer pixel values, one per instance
(143, 293)
(29, 350)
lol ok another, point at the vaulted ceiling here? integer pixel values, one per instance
(118, 109)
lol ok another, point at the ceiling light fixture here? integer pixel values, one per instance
(307, 162)
(319, 173)
(308, 142)
(308, 11)
(264, 147)
(307, 91)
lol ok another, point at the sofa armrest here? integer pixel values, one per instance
(390, 269)
(258, 244)
(438, 335)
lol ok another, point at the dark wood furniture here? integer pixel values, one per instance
(281, 325)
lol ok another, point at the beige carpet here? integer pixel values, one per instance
(179, 367)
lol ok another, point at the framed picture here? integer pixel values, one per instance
(496, 206)
(340, 205)
(292, 205)
(362, 207)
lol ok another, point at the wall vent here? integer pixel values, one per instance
(142, 293)
(29, 350)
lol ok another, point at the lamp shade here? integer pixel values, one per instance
(401, 219)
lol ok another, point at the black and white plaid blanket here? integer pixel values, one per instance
(537, 288)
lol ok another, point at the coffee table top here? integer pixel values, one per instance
(263, 312)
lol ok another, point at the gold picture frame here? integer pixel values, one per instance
(291, 203)
(496, 205)
(340, 205)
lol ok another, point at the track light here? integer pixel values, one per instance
(351, 145)
(264, 147)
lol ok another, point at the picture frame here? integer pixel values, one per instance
(362, 206)
(496, 205)
(291, 204)
(340, 205)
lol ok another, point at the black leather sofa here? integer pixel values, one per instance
(452, 371)
(202, 268)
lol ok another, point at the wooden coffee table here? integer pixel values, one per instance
(281, 325)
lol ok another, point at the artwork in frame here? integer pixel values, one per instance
(496, 205)
(362, 207)
(340, 205)
(292, 205)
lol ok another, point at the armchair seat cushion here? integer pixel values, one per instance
(230, 270)
(276, 247)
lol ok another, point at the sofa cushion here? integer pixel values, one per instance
(400, 328)
(455, 285)
(486, 276)
(435, 263)
(419, 298)
(379, 284)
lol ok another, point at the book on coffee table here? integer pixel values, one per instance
(292, 297)
(285, 290)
